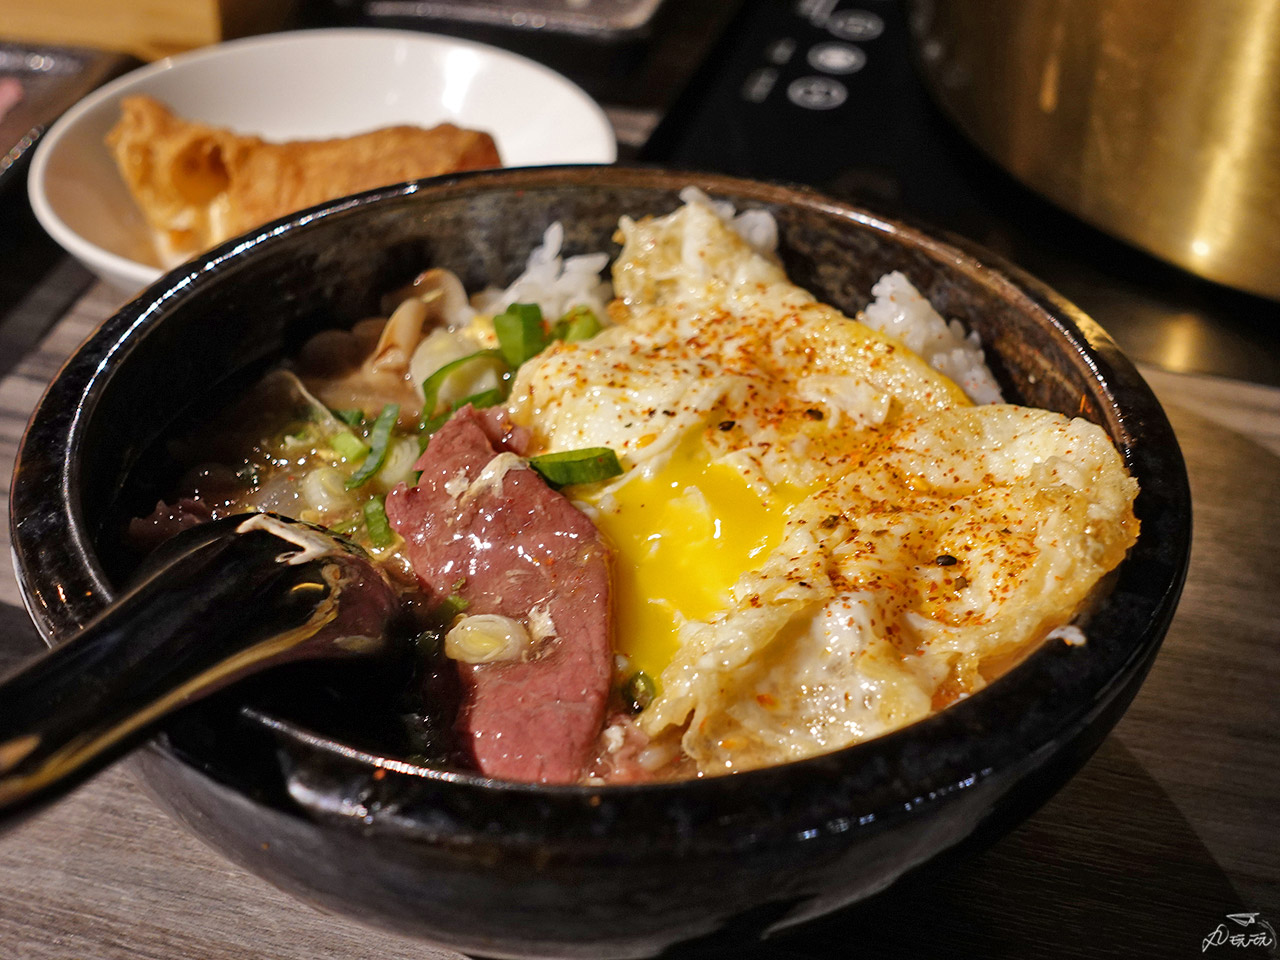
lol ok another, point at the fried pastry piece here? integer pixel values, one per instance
(198, 185)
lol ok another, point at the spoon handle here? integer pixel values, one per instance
(228, 601)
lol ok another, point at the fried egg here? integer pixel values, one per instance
(818, 538)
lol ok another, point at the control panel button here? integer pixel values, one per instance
(817, 93)
(855, 24)
(838, 58)
(780, 51)
(816, 11)
(759, 84)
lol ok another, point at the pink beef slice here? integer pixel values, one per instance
(165, 521)
(506, 549)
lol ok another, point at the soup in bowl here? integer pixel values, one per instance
(700, 565)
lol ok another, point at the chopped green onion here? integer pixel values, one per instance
(345, 527)
(426, 428)
(587, 465)
(485, 398)
(580, 323)
(352, 417)
(638, 691)
(348, 446)
(448, 608)
(431, 385)
(379, 442)
(375, 519)
(296, 434)
(451, 606)
(521, 334)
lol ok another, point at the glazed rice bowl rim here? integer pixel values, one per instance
(1055, 690)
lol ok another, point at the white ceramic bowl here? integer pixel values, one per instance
(303, 85)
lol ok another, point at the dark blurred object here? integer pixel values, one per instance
(606, 19)
(284, 593)
(825, 92)
(38, 83)
(1156, 120)
(642, 67)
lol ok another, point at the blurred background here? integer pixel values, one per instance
(1127, 152)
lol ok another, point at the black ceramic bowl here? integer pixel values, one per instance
(518, 870)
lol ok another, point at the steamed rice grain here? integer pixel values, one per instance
(558, 284)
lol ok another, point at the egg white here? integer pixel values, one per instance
(818, 538)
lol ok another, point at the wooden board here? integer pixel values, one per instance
(148, 29)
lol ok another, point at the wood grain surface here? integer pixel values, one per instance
(1174, 823)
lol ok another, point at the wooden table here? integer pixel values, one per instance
(1173, 824)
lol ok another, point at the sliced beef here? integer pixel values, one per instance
(504, 434)
(507, 543)
(165, 521)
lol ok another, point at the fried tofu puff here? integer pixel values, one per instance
(198, 185)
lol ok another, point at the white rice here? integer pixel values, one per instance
(554, 283)
(902, 312)
(558, 284)
(757, 227)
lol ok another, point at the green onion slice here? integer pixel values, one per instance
(348, 446)
(431, 385)
(580, 323)
(451, 606)
(588, 465)
(638, 691)
(521, 334)
(379, 442)
(345, 527)
(375, 519)
(352, 417)
(485, 398)
(296, 433)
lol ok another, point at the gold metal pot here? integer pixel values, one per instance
(1156, 120)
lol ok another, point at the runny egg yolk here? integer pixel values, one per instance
(681, 539)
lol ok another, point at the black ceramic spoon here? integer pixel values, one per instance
(217, 603)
